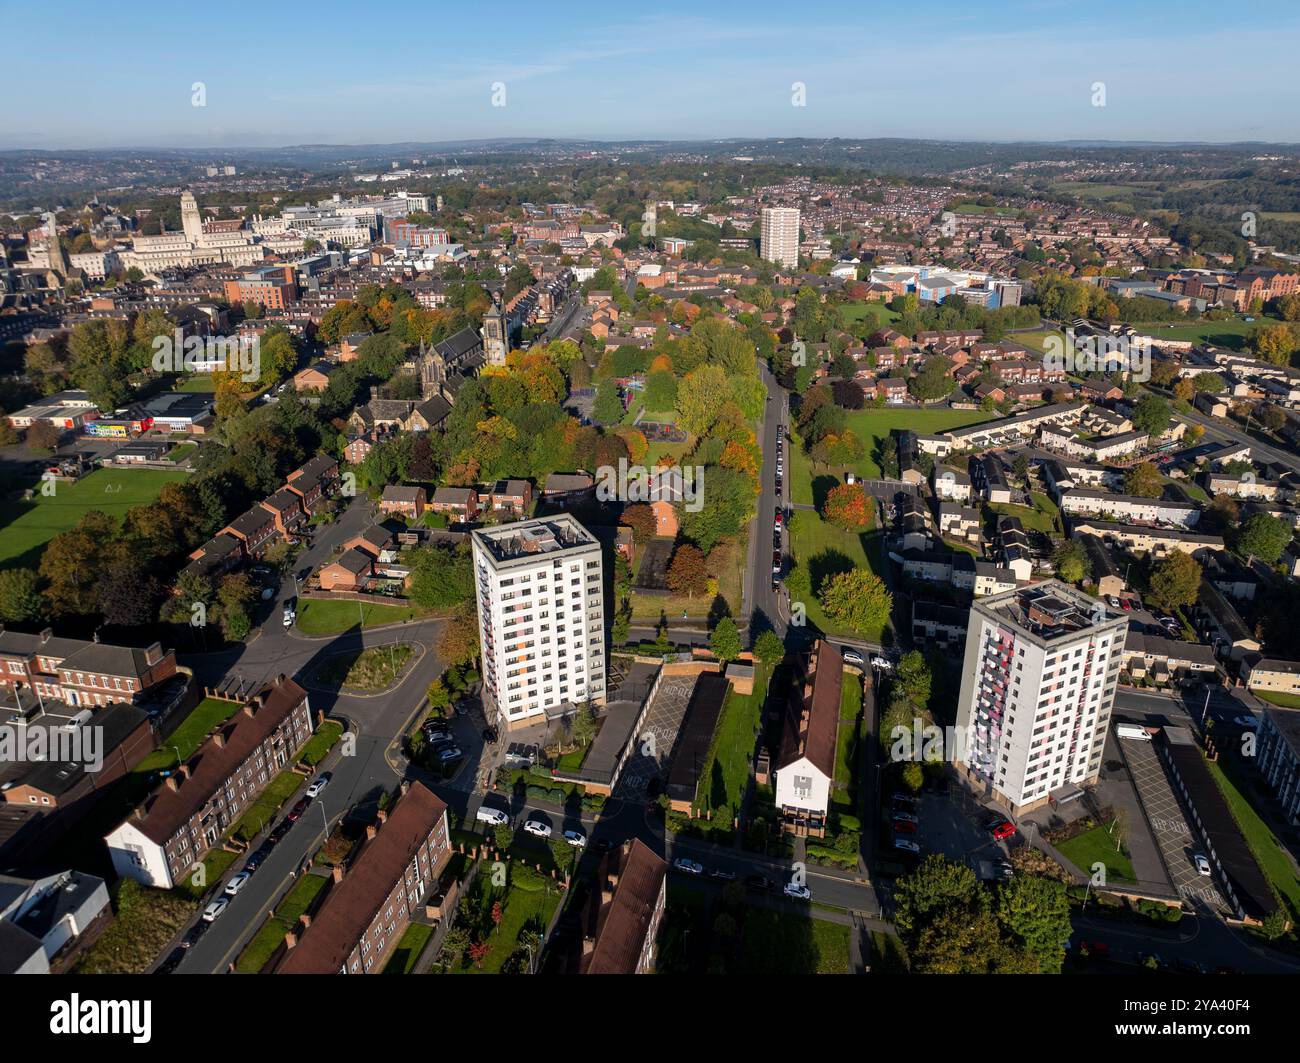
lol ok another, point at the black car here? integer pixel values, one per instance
(758, 882)
(722, 874)
(602, 845)
(257, 857)
(194, 933)
(277, 835)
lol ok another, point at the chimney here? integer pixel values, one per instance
(173, 783)
(305, 919)
(382, 816)
(371, 830)
(184, 769)
(153, 654)
(290, 941)
(406, 785)
(46, 635)
(336, 872)
(219, 739)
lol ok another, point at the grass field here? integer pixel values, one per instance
(408, 949)
(1097, 847)
(372, 669)
(198, 382)
(779, 943)
(320, 617)
(848, 744)
(1272, 857)
(1042, 517)
(202, 720)
(1285, 701)
(850, 313)
(824, 548)
(112, 491)
(722, 783)
(872, 425)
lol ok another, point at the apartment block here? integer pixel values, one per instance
(190, 811)
(540, 592)
(1038, 684)
(779, 235)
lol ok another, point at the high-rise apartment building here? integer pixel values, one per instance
(779, 232)
(540, 590)
(1037, 688)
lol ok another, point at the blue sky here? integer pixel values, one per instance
(327, 72)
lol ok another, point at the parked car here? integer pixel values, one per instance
(488, 814)
(1247, 721)
(194, 933)
(1202, 864)
(758, 883)
(318, 784)
(450, 753)
(722, 874)
(1003, 830)
(171, 962)
(537, 828)
(798, 892)
(276, 836)
(906, 844)
(576, 838)
(902, 826)
(257, 857)
(904, 817)
(850, 656)
(691, 867)
(1126, 604)
(1112, 601)
(296, 812)
(213, 910)
(238, 882)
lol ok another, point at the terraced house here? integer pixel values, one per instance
(189, 813)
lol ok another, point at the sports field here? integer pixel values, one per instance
(28, 526)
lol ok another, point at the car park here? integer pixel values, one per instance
(797, 891)
(238, 882)
(537, 828)
(213, 910)
(318, 784)
(691, 867)
(576, 838)
(488, 814)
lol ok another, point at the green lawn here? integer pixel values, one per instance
(30, 525)
(1097, 847)
(1041, 518)
(848, 745)
(373, 669)
(180, 453)
(779, 943)
(872, 425)
(722, 784)
(408, 950)
(258, 952)
(878, 313)
(1284, 701)
(823, 548)
(520, 907)
(321, 742)
(198, 382)
(267, 804)
(202, 720)
(321, 617)
(1273, 860)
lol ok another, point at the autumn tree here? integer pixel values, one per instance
(848, 506)
(687, 572)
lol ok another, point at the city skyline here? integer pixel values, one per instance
(671, 75)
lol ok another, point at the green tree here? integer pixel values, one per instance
(1263, 536)
(1036, 912)
(1070, 560)
(725, 640)
(915, 678)
(1151, 414)
(769, 648)
(1175, 580)
(20, 596)
(1144, 480)
(857, 599)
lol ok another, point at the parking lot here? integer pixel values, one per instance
(1174, 837)
(657, 737)
(954, 824)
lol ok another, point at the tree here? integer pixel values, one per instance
(441, 576)
(769, 648)
(700, 398)
(1175, 580)
(439, 696)
(1263, 536)
(687, 572)
(20, 596)
(725, 640)
(1275, 343)
(1144, 480)
(858, 599)
(1070, 560)
(848, 506)
(608, 407)
(1036, 912)
(1209, 383)
(640, 517)
(1151, 414)
(914, 677)
(43, 436)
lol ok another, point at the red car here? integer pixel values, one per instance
(1002, 831)
(901, 826)
(1126, 605)
(297, 810)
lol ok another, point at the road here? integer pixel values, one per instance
(764, 605)
(1218, 429)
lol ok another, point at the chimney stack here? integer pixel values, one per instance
(336, 872)
(371, 831)
(173, 783)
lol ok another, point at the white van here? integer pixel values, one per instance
(488, 814)
(1128, 730)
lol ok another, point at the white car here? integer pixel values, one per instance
(1202, 864)
(238, 882)
(317, 785)
(214, 909)
(851, 656)
(289, 618)
(798, 892)
(576, 838)
(691, 867)
(1112, 601)
(538, 828)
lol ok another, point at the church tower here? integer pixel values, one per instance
(496, 334)
(191, 219)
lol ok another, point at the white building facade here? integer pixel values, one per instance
(779, 233)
